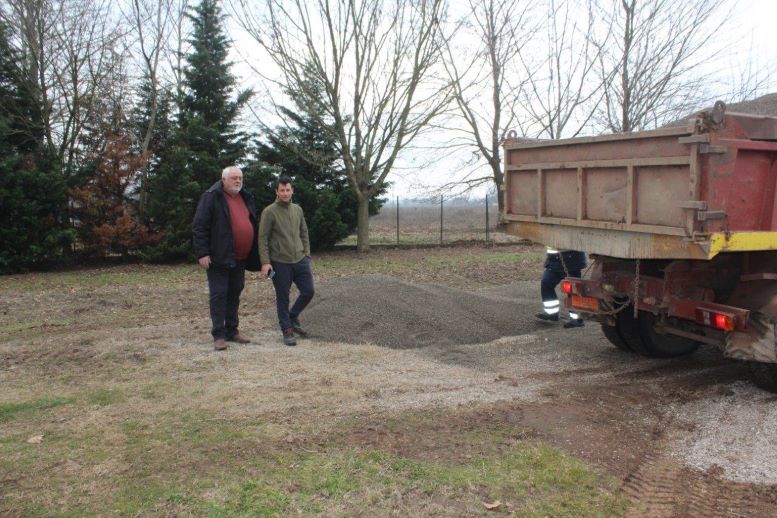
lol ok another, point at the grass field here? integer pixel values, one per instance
(114, 403)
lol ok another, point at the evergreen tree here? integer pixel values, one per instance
(206, 138)
(32, 193)
(305, 150)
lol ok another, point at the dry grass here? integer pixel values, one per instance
(115, 403)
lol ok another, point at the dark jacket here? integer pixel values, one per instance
(212, 229)
(573, 260)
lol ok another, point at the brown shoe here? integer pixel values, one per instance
(219, 344)
(239, 339)
(288, 337)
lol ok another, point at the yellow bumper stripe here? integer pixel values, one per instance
(742, 242)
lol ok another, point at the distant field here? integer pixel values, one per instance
(420, 224)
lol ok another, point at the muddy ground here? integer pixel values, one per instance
(456, 345)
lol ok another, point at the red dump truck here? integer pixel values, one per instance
(681, 227)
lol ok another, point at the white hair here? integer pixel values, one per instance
(230, 169)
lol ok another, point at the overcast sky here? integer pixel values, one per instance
(749, 33)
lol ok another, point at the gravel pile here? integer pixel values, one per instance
(734, 431)
(386, 311)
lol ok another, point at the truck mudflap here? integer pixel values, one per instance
(758, 342)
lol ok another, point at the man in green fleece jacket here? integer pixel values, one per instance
(284, 250)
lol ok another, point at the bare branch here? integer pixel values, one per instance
(374, 63)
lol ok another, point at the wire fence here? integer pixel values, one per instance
(438, 221)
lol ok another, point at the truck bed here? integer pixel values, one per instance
(688, 192)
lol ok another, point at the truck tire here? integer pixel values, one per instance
(615, 338)
(628, 328)
(764, 375)
(663, 345)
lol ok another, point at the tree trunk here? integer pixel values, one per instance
(363, 225)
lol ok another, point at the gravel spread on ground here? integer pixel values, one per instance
(735, 430)
(383, 310)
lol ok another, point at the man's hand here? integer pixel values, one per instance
(266, 270)
(204, 261)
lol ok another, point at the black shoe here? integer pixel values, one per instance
(573, 323)
(547, 318)
(297, 327)
(288, 337)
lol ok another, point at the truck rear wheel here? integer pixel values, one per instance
(663, 345)
(628, 328)
(615, 338)
(764, 375)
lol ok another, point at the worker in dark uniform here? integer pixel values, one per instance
(554, 272)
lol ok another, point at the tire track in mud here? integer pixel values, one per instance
(662, 487)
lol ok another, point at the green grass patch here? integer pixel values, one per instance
(10, 411)
(105, 396)
(534, 479)
(204, 465)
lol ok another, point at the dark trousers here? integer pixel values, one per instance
(550, 279)
(225, 286)
(302, 276)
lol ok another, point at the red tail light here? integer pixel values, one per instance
(724, 322)
(566, 287)
(716, 319)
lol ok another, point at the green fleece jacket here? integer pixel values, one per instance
(283, 234)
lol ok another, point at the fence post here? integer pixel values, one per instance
(397, 220)
(441, 220)
(486, 218)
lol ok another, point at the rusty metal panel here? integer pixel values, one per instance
(660, 191)
(606, 193)
(756, 127)
(522, 192)
(560, 193)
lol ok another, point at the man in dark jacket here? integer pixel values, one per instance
(557, 265)
(224, 237)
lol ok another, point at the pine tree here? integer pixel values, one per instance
(305, 150)
(206, 138)
(32, 193)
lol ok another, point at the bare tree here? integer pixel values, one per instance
(563, 87)
(656, 59)
(153, 22)
(175, 47)
(372, 62)
(70, 48)
(150, 21)
(485, 43)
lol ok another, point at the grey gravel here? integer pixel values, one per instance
(383, 310)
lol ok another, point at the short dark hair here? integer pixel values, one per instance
(285, 180)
